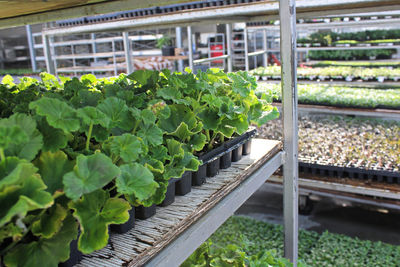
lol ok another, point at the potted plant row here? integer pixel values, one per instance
(80, 156)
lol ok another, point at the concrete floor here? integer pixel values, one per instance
(364, 222)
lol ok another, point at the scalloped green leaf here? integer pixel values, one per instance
(50, 222)
(92, 115)
(210, 119)
(169, 93)
(127, 146)
(90, 173)
(148, 117)
(151, 135)
(46, 252)
(117, 112)
(136, 180)
(31, 144)
(53, 139)
(58, 113)
(11, 134)
(52, 168)
(95, 211)
(197, 142)
(22, 193)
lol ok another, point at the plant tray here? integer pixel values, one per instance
(348, 172)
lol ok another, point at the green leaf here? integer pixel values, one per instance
(11, 135)
(52, 167)
(92, 115)
(169, 93)
(151, 135)
(126, 146)
(31, 144)
(148, 117)
(197, 142)
(58, 113)
(136, 180)
(154, 165)
(23, 191)
(181, 123)
(95, 211)
(90, 173)
(46, 252)
(210, 119)
(50, 222)
(53, 139)
(117, 112)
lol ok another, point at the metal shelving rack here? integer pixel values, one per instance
(285, 9)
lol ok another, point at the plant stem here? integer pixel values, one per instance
(2, 156)
(89, 136)
(207, 135)
(135, 127)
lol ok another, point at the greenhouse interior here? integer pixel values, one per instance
(245, 133)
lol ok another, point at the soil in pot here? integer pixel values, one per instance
(144, 213)
(184, 184)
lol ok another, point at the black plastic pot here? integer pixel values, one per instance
(226, 160)
(213, 167)
(170, 194)
(144, 213)
(75, 255)
(199, 177)
(125, 227)
(237, 153)
(168, 50)
(184, 184)
(247, 148)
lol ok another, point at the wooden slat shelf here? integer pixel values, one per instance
(170, 236)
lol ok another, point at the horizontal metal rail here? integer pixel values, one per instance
(203, 60)
(256, 53)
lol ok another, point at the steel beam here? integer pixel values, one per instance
(246, 49)
(287, 12)
(229, 46)
(32, 52)
(178, 34)
(47, 54)
(190, 46)
(128, 52)
(265, 48)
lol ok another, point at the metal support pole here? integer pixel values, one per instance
(31, 47)
(287, 13)
(178, 33)
(229, 46)
(265, 48)
(47, 54)
(94, 45)
(246, 49)
(190, 46)
(128, 52)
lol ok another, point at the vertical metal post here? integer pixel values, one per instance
(94, 45)
(229, 46)
(255, 48)
(32, 53)
(114, 59)
(265, 48)
(246, 49)
(128, 53)
(287, 13)
(190, 46)
(178, 34)
(47, 54)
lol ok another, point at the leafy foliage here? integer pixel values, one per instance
(85, 150)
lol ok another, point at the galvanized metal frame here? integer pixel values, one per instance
(228, 30)
(190, 47)
(178, 37)
(32, 52)
(128, 52)
(199, 231)
(287, 13)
